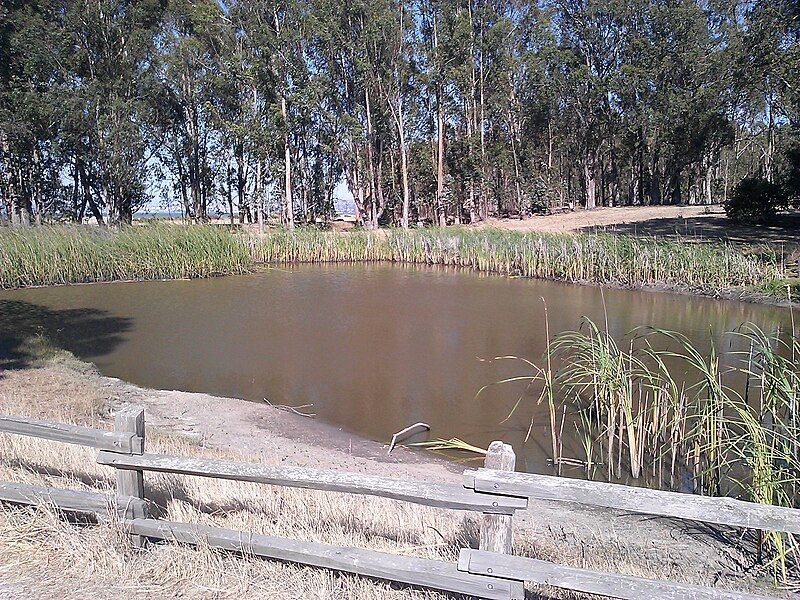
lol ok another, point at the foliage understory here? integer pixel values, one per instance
(63, 255)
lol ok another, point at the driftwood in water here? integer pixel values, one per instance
(406, 433)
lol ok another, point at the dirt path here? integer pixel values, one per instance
(602, 217)
(699, 223)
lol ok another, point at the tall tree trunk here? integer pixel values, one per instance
(441, 209)
(241, 182)
(288, 209)
(78, 207)
(15, 198)
(590, 180)
(88, 198)
(472, 117)
(473, 216)
(119, 211)
(440, 199)
(258, 195)
(484, 199)
(675, 187)
(403, 162)
(193, 134)
(514, 131)
(229, 192)
(372, 215)
(36, 184)
(287, 168)
(769, 152)
(655, 180)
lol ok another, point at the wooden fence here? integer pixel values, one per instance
(496, 491)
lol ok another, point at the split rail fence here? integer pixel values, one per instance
(496, 491)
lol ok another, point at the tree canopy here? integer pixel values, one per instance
(439, 111)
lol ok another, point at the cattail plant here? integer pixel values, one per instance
(60, 254)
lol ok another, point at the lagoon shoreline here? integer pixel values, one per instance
(60, 387)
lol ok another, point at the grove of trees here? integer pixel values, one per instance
(426, 110)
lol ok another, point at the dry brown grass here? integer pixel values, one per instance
(40, 551)
(36, 545)
(43, 553)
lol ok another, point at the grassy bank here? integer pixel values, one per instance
(60, 254)
(57, 255)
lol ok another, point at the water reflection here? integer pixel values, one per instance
(373, 347)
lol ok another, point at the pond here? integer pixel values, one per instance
(373, 348)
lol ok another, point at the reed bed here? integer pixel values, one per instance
(584, 258)
(654, 407)
(55, 255)
(61, 254)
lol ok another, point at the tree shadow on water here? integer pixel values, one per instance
(82, 331)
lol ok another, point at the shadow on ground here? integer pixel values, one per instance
(26, 328)
(785, 230)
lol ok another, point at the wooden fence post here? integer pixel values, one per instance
(130, 483)
(496, 530)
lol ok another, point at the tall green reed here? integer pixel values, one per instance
(63, 254)
(659, 409)
(587, 258)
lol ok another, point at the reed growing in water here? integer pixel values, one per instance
(61, 254)
(585, 258)
(722, 424)
(54, 255)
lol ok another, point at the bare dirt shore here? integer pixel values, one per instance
(48, 556)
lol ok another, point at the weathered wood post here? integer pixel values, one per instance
(496, 530)
(130, 483)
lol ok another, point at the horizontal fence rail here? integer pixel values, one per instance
(395, 567)
(496, 492)
(69, 500)
(439, 495)
(720, 511)
(114, 441)
(80, 501)
(613, 585)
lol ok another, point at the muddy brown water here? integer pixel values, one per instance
(373, 348)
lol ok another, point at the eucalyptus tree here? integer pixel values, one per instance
(441, 111)
(109, 58)
(345, 50)
(26, 106)
(765, 61)
(590, 44)
(395, 78)
(235, 116)
(191, 42)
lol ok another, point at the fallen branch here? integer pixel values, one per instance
(406, 433)
(293, 409)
